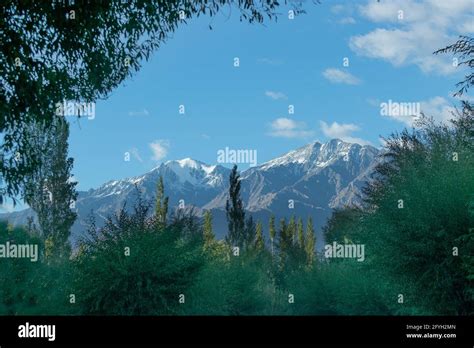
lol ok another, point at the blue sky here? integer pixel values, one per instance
(297, 62)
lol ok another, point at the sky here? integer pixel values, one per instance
(298, 62)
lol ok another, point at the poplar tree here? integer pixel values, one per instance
(272, 232)
(235, 212)
(310, 241)
(50, 191)
(161, 209)
(259, 241)
(292, 230)
(301, 237)
(284, 242)
(208, 233)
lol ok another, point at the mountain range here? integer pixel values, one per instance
(309, 181)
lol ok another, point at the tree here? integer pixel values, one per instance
(50, 191)
(272, 232)
(259, 241)
(235, 212)
(301, 237)
(417, 221)
(340, 226)
(250, 233)
(292, 230)
(310, 242)
(209, 237)
(161, 208)
(134, 266)
(285, 243)
(86, 52)
(463, 49)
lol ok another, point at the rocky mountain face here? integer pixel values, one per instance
(309, 181)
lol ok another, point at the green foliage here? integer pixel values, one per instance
(343, 288)
(272, 233)
(161, 207)
(235, 286)
(417, 223)
(300, 233)
(32, 288)
(340, 226)
(209, 237)
(259, 240)
(241, 231)
(310, 242)
(462, 49)
(49, 191)
(134, 266)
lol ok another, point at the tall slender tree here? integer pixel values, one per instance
(272, 232)
(235, 212)
(249, 233)
(209, 236)
(50, 191)
(161, 208)
(292, 230)
(310, 242)
(285, 243)
(300, 232)
(259, 241)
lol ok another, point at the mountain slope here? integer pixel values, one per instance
(309, 181)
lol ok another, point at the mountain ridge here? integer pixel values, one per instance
(314, 179)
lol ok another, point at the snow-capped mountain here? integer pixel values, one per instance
(308, 181)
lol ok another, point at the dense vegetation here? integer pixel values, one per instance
(416, 224)
(416, 221)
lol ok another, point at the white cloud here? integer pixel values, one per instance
(342, 131)
(136, 154)
(270, 61)
(437, 108)
(288, 128)
(159, 149)
(373, 101)
(425, 27)
(340, 76)
(275, 95)
(144, 112)
(347, 20)
(337, 9)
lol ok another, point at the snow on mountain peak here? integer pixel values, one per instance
(192, 171)
(299, 156)
(315, 153)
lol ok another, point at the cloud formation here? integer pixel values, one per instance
(340, 76)
(275, 95)
(144, 112)
(342, 131)
(288, 128)
(410, 31)
(159, 149)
